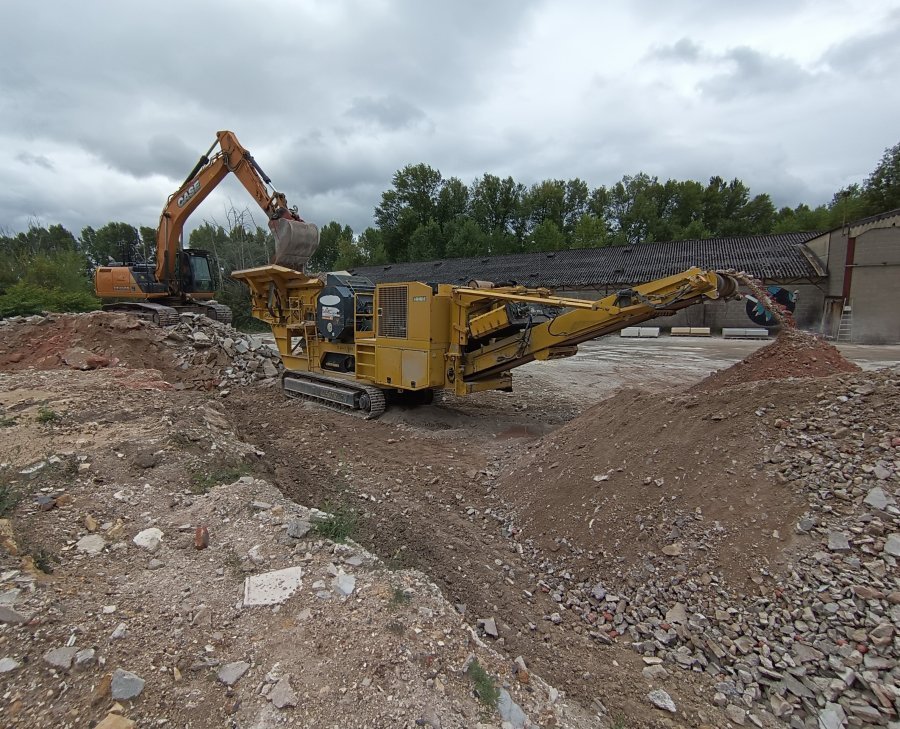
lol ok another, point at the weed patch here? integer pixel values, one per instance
(46, 415)
(485, 688)
(9, 498)
(339, 525)
(202, 481)
(400, 597)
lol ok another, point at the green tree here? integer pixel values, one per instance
(113, 242)
(330, 238)
(350, 255)
(882, 187)
(427, 242)
(590, 232)
(371, 247)
(497, 208)
(546, 237)
(411, 202)
(466, 239)
(42, 269)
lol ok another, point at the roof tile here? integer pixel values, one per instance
(766, 256)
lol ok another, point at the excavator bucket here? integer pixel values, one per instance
(295, 242)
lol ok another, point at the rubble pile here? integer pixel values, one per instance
(794, 353)
(197, 351)
(180, 593)
(811, 638)
(210, 348)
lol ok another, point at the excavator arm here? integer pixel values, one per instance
(295, 240)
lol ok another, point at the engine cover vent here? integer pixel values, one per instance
(392, 311)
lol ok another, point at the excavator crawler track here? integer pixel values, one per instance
(159, 314)
(345, 396)
(214, 310)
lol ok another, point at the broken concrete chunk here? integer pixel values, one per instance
(115, 721)
(8, 615)
(510, 711)
(9, 664)
(489, 626)
(298, 528)
(272, 588)
(126, 685)
(92, 544)
(661, 700)
(282, 695)
(344, 583)
(230, 673)
(876, 498)
(61, 658)
(84, 657)
(149, 539)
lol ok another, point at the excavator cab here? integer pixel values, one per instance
(199, 272)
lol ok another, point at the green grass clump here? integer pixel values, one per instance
(339, 525)
(401, 597)
(203, 481)
(9, 498)
(485, 688)
(46, 415)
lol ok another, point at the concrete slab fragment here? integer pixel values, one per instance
(272, 588)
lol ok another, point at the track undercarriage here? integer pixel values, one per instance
(346, 396)
(165, 316)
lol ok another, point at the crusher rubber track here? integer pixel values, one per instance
(338, 394)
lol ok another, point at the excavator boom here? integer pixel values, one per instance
(187, 279)
(295, 240)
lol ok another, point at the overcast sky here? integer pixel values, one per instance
(105, 106)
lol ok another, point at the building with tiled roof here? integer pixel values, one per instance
(781, 259)
(847, 279)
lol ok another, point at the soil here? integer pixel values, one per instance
(488, 499)
(794, 353)
(118, 338)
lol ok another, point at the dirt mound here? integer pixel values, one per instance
(71, 340)
(680, 476)
(793, 354)
(197, 352)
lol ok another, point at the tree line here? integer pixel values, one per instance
(424, 216)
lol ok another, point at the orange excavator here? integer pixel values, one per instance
(186, 279)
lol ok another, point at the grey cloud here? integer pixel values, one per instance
(389, 112)
(684, 50)
(753, 73)
(38, 160)
(876, 53)
(332, 98)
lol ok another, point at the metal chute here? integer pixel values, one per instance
(295, 242)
